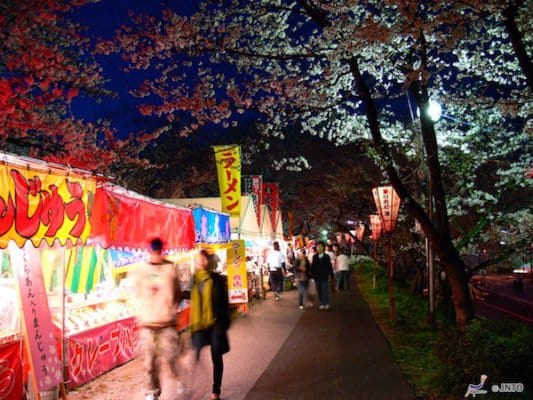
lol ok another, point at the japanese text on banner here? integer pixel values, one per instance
(36, 205)
(237, 275)
(228, 160)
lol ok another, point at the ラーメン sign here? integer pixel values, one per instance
(36, 205)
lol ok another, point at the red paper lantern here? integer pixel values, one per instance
(375, 223)
(388, 204)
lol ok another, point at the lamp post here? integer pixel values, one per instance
(388, 203)
(375, 223)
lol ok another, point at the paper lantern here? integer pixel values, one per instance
(387, 204)
(375, 223)
(360, 232)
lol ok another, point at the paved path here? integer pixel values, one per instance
(280, 352)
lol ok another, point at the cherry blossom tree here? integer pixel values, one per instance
(45, 64)
(345, 70)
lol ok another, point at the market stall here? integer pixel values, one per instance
(43, 210)
(99, 327)
(243, 257)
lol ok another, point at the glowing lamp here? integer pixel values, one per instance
(375, 223)
(360, 232)
(387, 204)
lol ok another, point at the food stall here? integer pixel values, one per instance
(99, 325)
(43, 211)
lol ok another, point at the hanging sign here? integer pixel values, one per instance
(271, 199)
(237, 274)
(228, 160)
(40, 342)
(98, 350)
(252, 185)
(387, 203)
(37, 205)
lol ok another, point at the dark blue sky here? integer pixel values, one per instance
(102, 20)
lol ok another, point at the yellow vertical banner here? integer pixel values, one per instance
(228, 160)
(237, 275)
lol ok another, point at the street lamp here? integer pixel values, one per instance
(388, 203)
(375, 223)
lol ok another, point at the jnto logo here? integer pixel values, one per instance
(476, 389)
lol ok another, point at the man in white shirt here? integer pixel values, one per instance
(276, 269)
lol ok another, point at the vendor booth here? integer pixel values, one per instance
(44, 208)
(244, 255)
(100, 326)
(66, 241)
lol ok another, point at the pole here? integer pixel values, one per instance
(392, 305)
(374, 266)
(429, 260)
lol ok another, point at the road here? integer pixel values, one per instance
(281, 352)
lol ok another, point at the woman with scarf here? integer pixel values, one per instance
(210, 316)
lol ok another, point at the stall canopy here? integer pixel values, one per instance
(42, 201)
(245, 225)
(126, 220)
(211, 226)
(266, 225)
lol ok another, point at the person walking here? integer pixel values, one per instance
(321, 271)
(157, 293)
(332, 250)
(210, 317)
(276, 267)
(343, 268)
(301, 269)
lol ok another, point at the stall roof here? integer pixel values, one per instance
(266, 224)
(246, 225)
(124, 219)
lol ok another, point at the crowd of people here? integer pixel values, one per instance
(157, 293)
(316, 269)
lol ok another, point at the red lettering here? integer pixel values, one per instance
(115, 335)
(53, 212)
(76, 359)
(228, 159)
(232, 186)
(232, 205)
(26, 225)
(76, 208)
(92, 351)
(7, 215)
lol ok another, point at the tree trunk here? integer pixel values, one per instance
(462, 302)
(517, 42)
(440, 235)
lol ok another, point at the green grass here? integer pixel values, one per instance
(411, 339)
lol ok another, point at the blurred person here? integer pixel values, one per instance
(328, 249)
(301, 270)
(156, 290)
(343, 268)
(276, 268)
(321, 271)
(210, 316)
(290, 258)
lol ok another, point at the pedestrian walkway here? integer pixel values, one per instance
(281, 352)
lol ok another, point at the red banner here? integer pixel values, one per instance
(98, 350)
(271, 199)
(252, 186)
(46, 206)
(11, 380)
(119, 220)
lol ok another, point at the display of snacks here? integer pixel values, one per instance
(87, 315)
